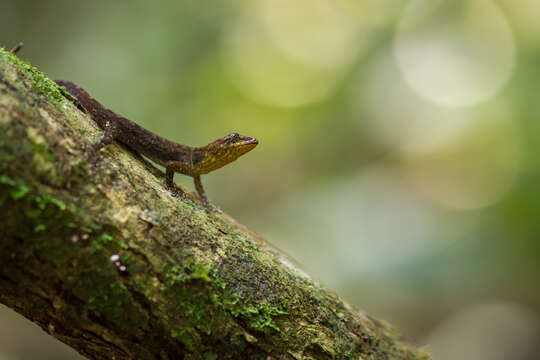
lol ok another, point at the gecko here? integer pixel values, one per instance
(187, 160)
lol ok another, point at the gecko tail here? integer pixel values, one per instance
(75, 92)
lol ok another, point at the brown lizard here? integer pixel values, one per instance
(187, 160)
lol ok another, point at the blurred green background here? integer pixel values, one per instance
(399, 140)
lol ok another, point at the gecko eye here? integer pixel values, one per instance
(233, 137)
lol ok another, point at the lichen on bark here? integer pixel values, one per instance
(107, 260)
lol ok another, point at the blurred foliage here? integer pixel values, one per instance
(398, 139)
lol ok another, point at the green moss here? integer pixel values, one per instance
(203, 298)
(45, 85)
(87, 229)
(43, 212)
(48, 199)
(187, 336)
(210, 356)
(43, 157)
(101, 291)
(195, 307)
(104, 240)
(188, 282)
(38, 204)
(6, 146)
(40, 227)
(259, 316)
(265, 316)
(105, 293)
(100, 242)
(187, 271)
(17, 191)
(126, 258)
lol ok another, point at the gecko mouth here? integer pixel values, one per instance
(249, 143)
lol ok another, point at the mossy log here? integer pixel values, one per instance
(108, 261)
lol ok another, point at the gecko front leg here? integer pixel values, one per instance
(107, 139)
(169, 178)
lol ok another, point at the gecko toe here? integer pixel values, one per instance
(177, 192)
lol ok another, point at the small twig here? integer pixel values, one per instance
(16, 47)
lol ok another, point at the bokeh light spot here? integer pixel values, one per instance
(319, 33)
(475, 172)
(398, 117)
(263, 74)
(460, 158)
(352, 224)
(491, 331)
(455, 53)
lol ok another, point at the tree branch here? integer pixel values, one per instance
(109, 262)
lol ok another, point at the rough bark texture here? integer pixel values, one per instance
(195, 286)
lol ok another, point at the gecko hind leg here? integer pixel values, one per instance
(107, 139)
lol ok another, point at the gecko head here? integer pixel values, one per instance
(232, 146)
(241, 144)
(225, 150)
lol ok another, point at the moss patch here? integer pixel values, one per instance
(45, 85)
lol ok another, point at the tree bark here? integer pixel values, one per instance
(106, 260)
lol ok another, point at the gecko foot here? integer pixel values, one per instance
(213, 209)
(177, 192)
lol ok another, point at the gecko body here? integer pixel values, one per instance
(187, 160)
